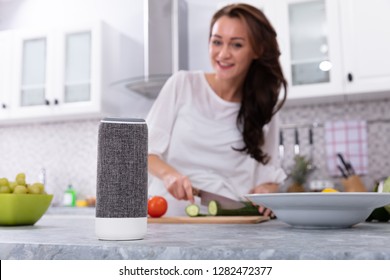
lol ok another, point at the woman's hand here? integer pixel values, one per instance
(265, 188)
(179, 186)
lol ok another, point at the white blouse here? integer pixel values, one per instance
(193, 129)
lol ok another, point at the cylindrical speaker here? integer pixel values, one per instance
(122, 174)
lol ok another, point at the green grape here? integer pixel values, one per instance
(4, 182)
(21, 181)
(20, 189)
(40, 186)
(21, 175)
(12, 186)
(34, 189)
(5, 189)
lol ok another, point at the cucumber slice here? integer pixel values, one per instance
(192, 210)
(213, 208)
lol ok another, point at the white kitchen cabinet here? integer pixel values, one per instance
(329, 51)
(6, 66)
(33, 72)
(59, 74)
(366, 45)
(79, 76)
(309, 40)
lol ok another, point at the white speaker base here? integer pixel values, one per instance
(120, 228)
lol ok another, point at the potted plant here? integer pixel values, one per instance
(300, 172)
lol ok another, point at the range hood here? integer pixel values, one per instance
(165, 21)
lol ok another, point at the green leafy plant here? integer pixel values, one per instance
(301, 169)
(300, 172)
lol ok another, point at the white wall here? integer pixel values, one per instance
(121, 14)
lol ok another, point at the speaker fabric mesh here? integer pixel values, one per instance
(122, 169)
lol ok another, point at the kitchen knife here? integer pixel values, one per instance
(224, 202)
(296, 145)
(281, 145)
(348, 167)
(343, 172)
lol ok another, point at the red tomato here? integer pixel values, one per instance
(157, 206)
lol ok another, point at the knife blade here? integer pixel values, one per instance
(225, 202)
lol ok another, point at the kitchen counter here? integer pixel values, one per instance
(69, 236)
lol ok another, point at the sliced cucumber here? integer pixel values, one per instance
(215, 209)
(193, 210)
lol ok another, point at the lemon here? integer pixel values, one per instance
(329, 190)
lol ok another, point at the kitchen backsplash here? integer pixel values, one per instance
(68, 150)
(376, 113)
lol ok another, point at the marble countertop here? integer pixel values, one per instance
(64, 235)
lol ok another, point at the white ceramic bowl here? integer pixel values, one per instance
(321, 210)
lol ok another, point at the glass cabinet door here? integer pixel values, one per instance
(310, 63)
(77, 80)
(33, 80)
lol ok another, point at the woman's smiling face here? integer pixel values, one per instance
(230, 50)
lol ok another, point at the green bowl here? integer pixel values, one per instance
(23, 209)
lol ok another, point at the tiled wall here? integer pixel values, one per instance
(68, 150)
(375, 112)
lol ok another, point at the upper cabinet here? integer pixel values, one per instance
(33, 72)
(328, 50)
(309, 41)
(366, 45)
(6, 66)
(57, 74)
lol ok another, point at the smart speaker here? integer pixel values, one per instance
(121, 193)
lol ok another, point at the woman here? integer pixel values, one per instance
(218, 131)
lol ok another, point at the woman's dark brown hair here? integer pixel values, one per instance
(264, 79)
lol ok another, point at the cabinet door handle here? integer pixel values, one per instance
(350, 77)
(47, 102)
(4, 106)
(56, 101)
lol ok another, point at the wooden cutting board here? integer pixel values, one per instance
(209, 220)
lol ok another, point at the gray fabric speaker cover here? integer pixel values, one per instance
(122, 169)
